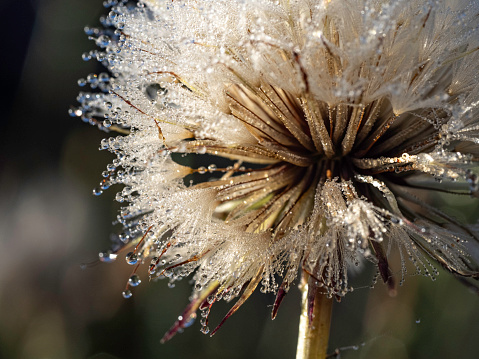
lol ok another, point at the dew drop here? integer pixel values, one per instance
(103, 41)
(97, 191)
(205, 330)
(107, 256)
(152, 269)
(86, 56)
(202, 170)
(210, 299)
(75, 112)
(134, 280)
(127, 294)
(92, 78)
(190, 321)
(103, 77)
(418, 321)
(131, 258)
(89, 30)
(425, 230)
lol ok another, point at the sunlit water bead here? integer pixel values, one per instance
(107, 256)
(106, 183)
(102, 41)
(110, 3)
(92, 79)
(86, 56)
(152, 269)
(82, 82)
(97, 191)
(190, 320)
(127, 294)
(131, 258)
(134, 280)
(91, 30)
(75, 112)
(119, 198)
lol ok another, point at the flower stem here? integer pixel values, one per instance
(313, 337)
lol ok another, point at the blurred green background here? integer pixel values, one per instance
(50, 224)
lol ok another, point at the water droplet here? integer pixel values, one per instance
(202, 170)
(210, 299)
(92, 79)
(131, 258)
(103, 41)
(81, 82)
(205, 330)
(75, 112)
(134, 280)
(152, 269)
(97, 191)
(89, 30)
(86, 56)
(103, 77)
(190, 321)
(201, 150)
(127, 294)
(212, 168)
(107, 256)
(418, 321)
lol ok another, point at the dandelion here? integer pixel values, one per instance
(262, 139)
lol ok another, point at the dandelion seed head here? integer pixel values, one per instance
(322, 128)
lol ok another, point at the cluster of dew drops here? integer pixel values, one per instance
(93, 105)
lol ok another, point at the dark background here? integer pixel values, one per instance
(50, 224)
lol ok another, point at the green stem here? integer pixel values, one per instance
(313, 338)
